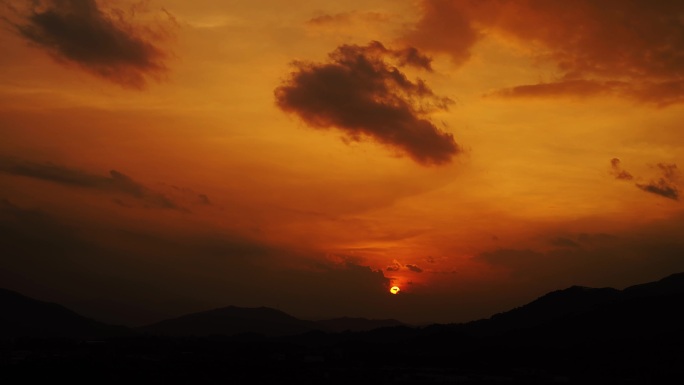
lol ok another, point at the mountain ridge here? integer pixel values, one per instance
(572, 302)
(25, 316)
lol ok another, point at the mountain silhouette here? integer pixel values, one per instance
(673, 284)
(581, 310)
(578, 335)
(576, 311)
(22, 316)
(344, 324)
(551, 306)
(232, 320)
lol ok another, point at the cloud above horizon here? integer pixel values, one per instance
(397, 266)
(652, 248)
(617, 171)
(665, 185)
(631, 49)
(344, 19)
(115, 182)
(414, 268)
(98, 38)
(359, 92)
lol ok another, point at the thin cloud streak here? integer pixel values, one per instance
(115, 182)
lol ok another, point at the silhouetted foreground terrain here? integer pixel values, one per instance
(577, 336)
(233, 320)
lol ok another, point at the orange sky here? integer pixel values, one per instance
(169, 156)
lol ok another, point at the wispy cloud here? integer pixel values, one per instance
(618, 172)
(115, 182)
(665, 185)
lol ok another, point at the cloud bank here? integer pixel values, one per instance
(632, 49)
(166, 274)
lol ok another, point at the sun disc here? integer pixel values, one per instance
(394, 289)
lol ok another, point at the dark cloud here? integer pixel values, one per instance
(627, 48)
(597, 238)
(361, 94)
(115, 182)
(445, 27)
(338, 18)
(204, 199)
(661, 187)
(396, 266)
(582, 239)
(101, 41)
(665, 185)
(185, 194)
(618, 172)
(576, 87)
(410, 56)
(346, 18)
(670, 171)
(564, 242)
(641, 253)
(414, 268)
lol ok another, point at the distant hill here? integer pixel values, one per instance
(583, 310)
(26, 317)
(232, 320)
(673, 284)
(551, 306)
(22, 316)
(575, 312)
(577, 335)
(579, 311)
(343, 324)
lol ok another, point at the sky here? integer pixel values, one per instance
(163, 157)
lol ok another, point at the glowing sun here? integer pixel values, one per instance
(394, 289)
